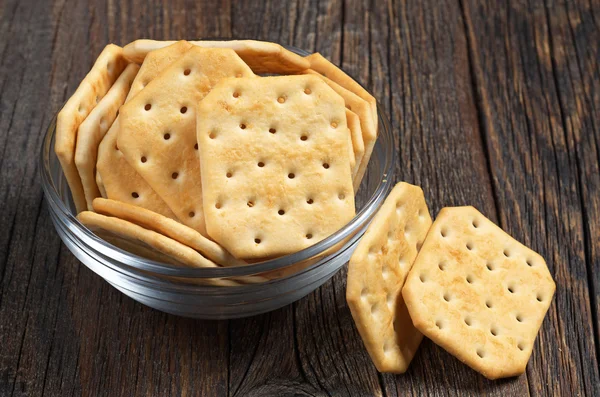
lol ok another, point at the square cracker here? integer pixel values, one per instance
(478, 293)
(361, 108)
(376, 273)
(320, 64)
(121, 182)
(95, 85)
(261, 56)
(358, 146)
(93, 129)
(168, 227)
(275, 167)
(158, 128)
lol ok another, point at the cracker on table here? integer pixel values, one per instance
(158, 128)
(376, 273)
(363, 111)
(152, 221)
(358, 146)
(275, 167)
(93, 129)
(261, 56)
(95, 85)
(322, 65)
(478, 293)
(147, 243)
(122, 182)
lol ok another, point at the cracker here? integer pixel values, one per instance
(376, 273)
(94, 86)
(137, 50)
(122, 182)
(100, 184)
(478, 293)
(168, 227)
(358, 146)
(147, 243)
(274, 157)
(351, 157)
(320, 64)
(93, 129)
(158, 128)
(261, 56)
(363, 111)
(155, 62)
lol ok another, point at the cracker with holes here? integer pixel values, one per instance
(167, 227)
(94, 86)
(147, 243)
(158, 128)
(93, 129)
(320, 64)
(120, 181)
(478, 293)
(367, 125)
(275, 164)
(376, 274)
(261, 56)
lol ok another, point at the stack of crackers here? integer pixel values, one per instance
(186, 153)
(460, 280)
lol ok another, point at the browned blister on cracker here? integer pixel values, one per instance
(275, 164)
(376, 273)
(478, 293)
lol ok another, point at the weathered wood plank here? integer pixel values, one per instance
(535, 173)
(572, 29)
(28, 247)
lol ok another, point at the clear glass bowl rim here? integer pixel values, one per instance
(91, 241)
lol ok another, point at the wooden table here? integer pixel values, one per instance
(494, 105)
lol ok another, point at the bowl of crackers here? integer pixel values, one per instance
(215, 179)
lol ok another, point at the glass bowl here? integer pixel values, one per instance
(184, 291)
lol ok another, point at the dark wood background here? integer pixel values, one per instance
(493, 103)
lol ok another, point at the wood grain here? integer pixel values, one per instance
(494, 104)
